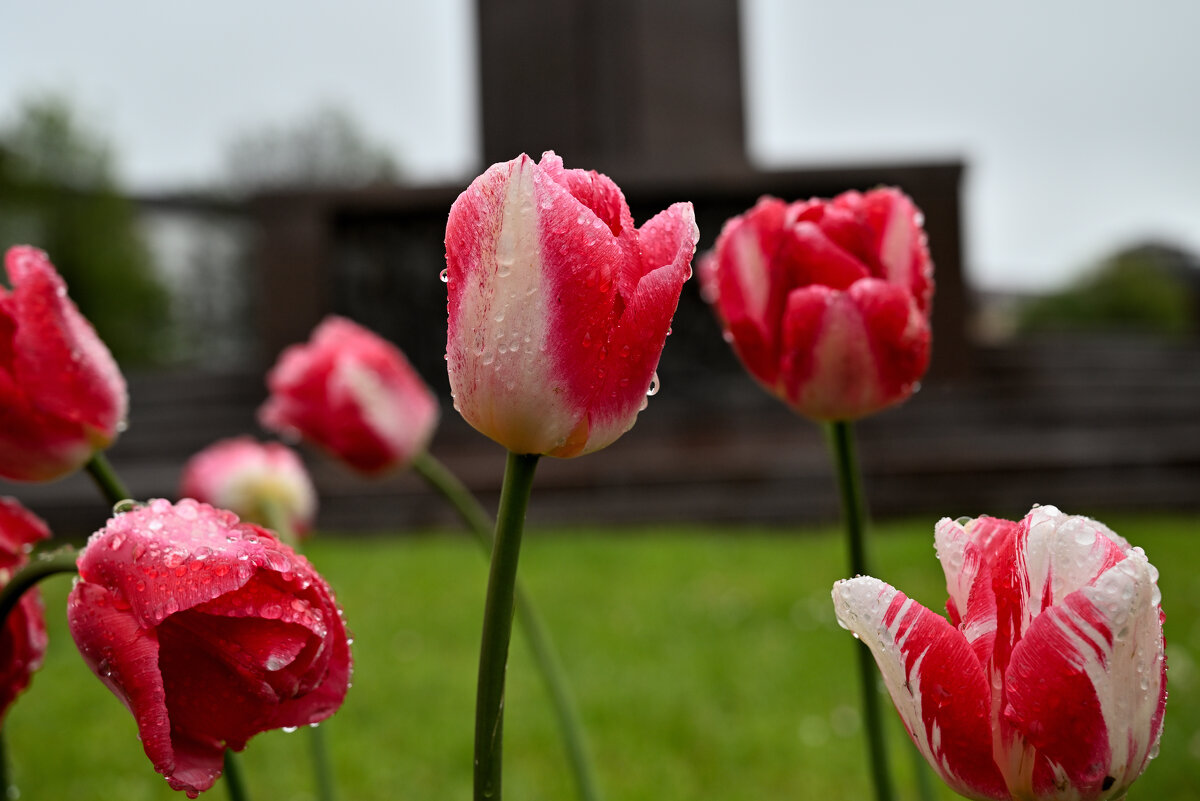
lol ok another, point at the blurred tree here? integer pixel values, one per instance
(1137, 290)
(325, 149)
(58, 191)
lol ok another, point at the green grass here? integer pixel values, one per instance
(707, 664)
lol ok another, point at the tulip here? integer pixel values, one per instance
(23, 635)
(254, 480)
(558, 306)
(209, 630)
(62, 398)
(1049, 679)
(352, 393)
(827, 302)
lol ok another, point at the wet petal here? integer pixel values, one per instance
(934, 678)
(1086, 686)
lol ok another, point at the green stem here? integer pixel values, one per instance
(41, 566)
(537, 635)
(106, 479)
(6, 791)
(322, 766)
(497, 624)
(274, 517)
(841, 442)
(235, 784)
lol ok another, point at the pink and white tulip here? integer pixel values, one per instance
(254, 480)
(559, 306)
(827, 302)
(354, 394)
(62, 397)
(1049, 679)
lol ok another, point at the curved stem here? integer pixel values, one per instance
(841, 442)
(41, 566)
(497, 624)
(106, 478)
(234, 782)
(537, 635)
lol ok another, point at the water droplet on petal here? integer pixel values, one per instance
(127, 505)
(652, 390)
(444, 276)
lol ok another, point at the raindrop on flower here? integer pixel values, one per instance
(127, 505)
(444, 276)
(652, 390)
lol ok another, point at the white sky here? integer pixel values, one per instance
(1078, 120)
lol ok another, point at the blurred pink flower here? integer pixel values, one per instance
(352, 393)
(254, 480)
(826, 302)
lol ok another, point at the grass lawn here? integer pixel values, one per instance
(707, 665)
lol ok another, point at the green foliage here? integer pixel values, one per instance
(58, 192)
(1133, 291)
(706, 663)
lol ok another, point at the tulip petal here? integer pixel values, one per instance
(747, 284)
(325, 699)
(813, 258)
(20, 529)
(636, 341)
(57, 356)
(124, 655)
(592, 274)
(1052, 556)
(848, 354)
(966, 554)
(936, 682)
(352, 393)
(499, 296)
(1086, 686)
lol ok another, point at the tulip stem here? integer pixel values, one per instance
(276, 518)
(322, 767)
(234, 782)
(41, 566)
(106, 478)
(537, 635)
(841, 442)
(497, 624)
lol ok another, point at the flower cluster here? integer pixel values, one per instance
(1047, 680)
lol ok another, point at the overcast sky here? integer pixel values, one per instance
(1078, 120)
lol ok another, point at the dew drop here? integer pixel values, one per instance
(127, 505)
(444, 276)
(652, 390)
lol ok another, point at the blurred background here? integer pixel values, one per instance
(213, 179)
